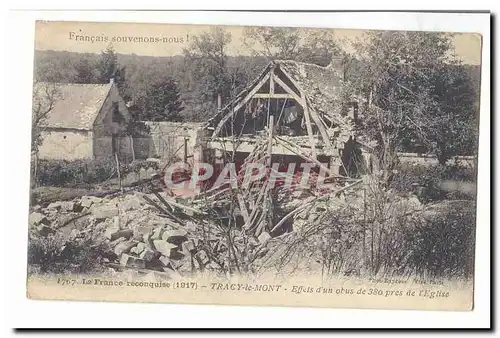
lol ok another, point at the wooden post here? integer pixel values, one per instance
(309, 128)
(219, 103)
(118, 171)
(335, 164)
(185, 149)
(270, 139)
(271, 83)
(132, 147)
(271, 91)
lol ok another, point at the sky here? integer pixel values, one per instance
(168, 40)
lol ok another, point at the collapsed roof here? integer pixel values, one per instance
(318, 89)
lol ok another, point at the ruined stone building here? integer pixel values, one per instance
(174, 141)
(303, 105)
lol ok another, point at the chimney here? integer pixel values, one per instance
(111, 80)
(337, 64)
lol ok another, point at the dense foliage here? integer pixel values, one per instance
(415, 94)
(396, 72)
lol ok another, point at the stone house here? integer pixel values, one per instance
(87, 121)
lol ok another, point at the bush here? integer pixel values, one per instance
(74, 173)
(137, 165)
(380, 234)
(78, 173)
(425, 180)
(56, 254)
(443, 246)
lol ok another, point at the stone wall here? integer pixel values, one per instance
(168, 140)
(422, 159)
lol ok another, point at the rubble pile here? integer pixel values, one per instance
(145, 232)
(135, 234)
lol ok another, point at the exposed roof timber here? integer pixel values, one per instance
(243, 92)
(273, 96)
(289, 90)
(311, 113)
(271, 81)
(322, 129)
(245, 99)
(290, 78)
(313, 90)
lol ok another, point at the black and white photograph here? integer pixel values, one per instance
(254, 165)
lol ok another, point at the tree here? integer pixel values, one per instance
(45, 95)
(304, 45)
(273, 42)
(319, 47)
(409, 87)
(161, 102)
(108, 68)
(84, 72)
(206, 62)
(210, 74)
(452, 125)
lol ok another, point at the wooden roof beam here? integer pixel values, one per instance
(241, 103)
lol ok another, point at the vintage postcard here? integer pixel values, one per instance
(254, 165)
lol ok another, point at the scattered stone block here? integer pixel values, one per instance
(55, 205)
(147, 255)
(138, 249)
(44, 230)
(188, 246)
(147, 239)
(175, 236)
(116, 221)
(124, 247)
(111, 232)
(153, 276)
(157, 234)
(264, 237)
(36, 218)
(130, 203)
(142, 230)
(117, 241)
(126, 233)
(104, 212)
(88, 201)
(68, 206)
(132, 262)
(190, 225)
(202, 257)
(74, 234)
(171, 274)
(164, 247)
(114, 232)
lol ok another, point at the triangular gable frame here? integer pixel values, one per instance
(252, 92)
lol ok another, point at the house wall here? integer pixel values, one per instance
(105, 129)
(167, 140)
(66, 144)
